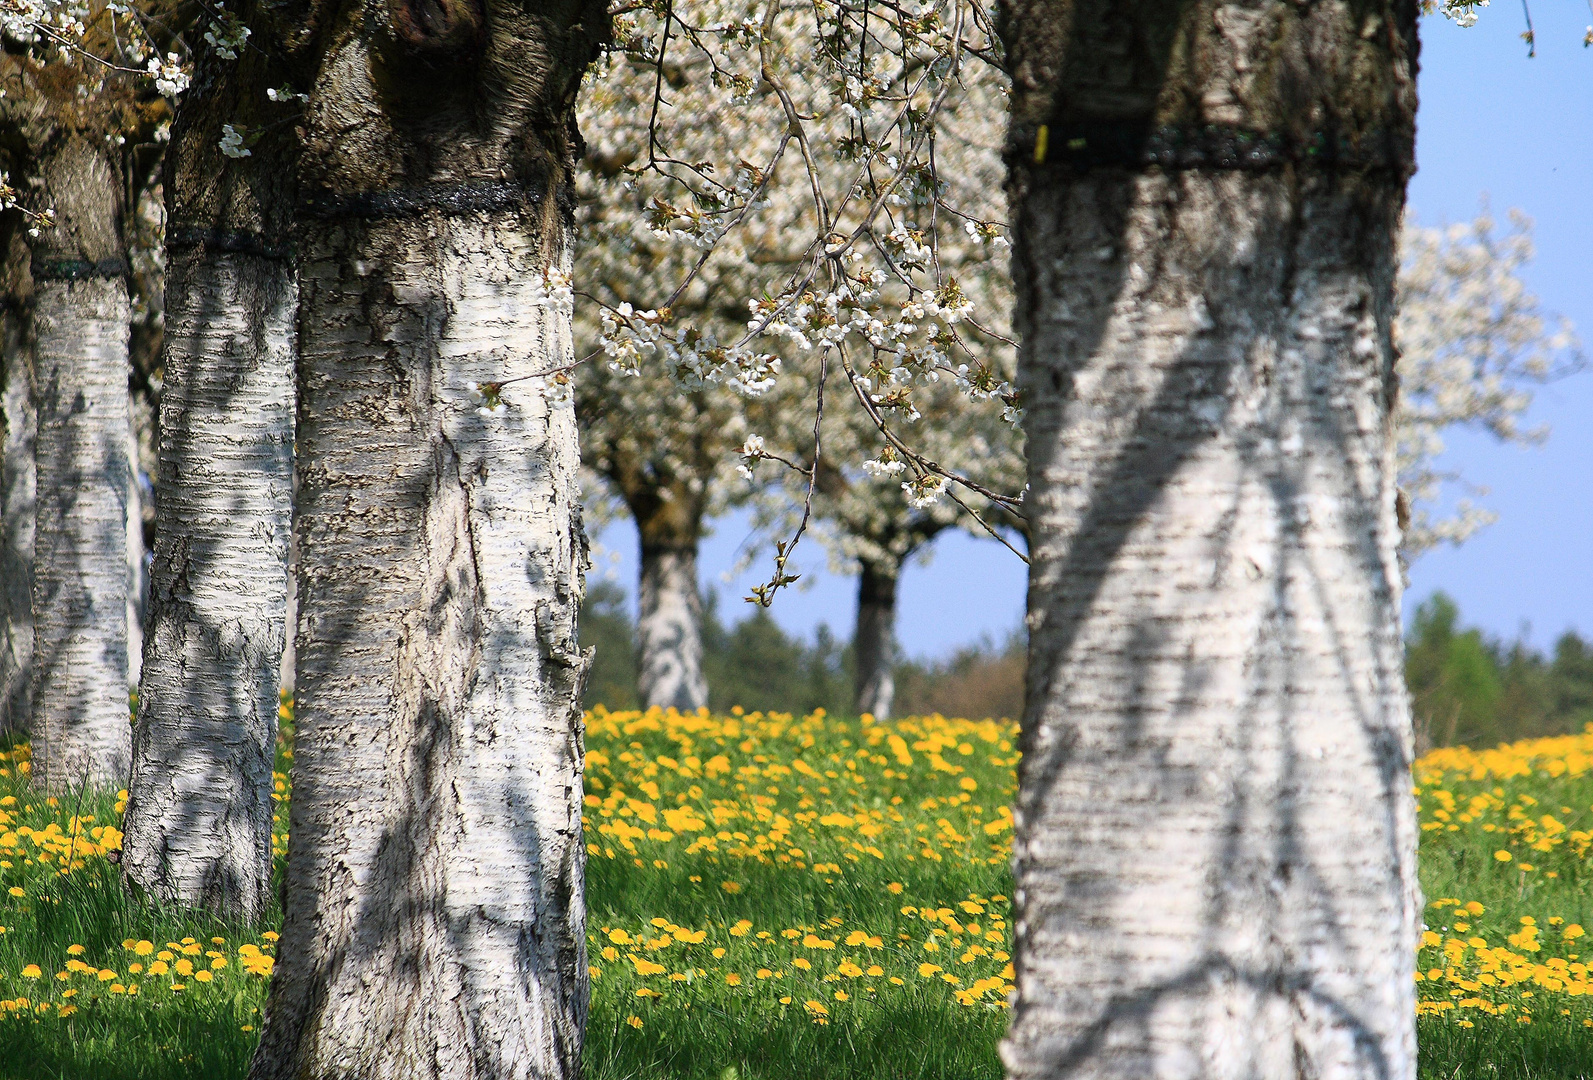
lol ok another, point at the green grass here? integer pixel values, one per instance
(811, 851)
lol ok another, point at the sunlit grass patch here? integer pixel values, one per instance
(781, 896)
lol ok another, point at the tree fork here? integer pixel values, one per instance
(1215, 849)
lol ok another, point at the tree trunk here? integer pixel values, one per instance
(434, 923)
(137, 580)
(875, 641)
(80, 324)
(199, 809)
(16, 501)
(669, 628)
(1215, 855)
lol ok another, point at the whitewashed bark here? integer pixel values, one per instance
(136, 578)
(80, 709)
(198, 822)
(16, 525)
(874, 643)
(1216, 835)
(669, 629)
(434, 923)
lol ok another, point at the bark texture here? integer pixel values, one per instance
(17, 487)
(669, 629)
(875, 640)
(81, 321)
(668, 508)
(1215, 852)
(434, 923)
(199, 810)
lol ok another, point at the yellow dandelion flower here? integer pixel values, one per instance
(732, 979)
(203, 976)
(874, 971)
(1502, 855)
(634, 1021)
(842, 995)
(647, 967)
(730, 886)
(31, 971)
(106, 975)
(765, 973)
(18, 891)
(801, 962)
(144, 948)
(894, 887)
(75, 950)
(926, 970)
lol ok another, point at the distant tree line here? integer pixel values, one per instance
(1468, 688)
(758, 666)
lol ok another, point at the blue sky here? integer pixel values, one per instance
(1491, 121)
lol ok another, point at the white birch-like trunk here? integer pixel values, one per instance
(80, 713)
(1215, 851)
(434, 923)
(136, 578)
(1216, 840)
(198, 822)
(669, 629)
(16, 525)
(1215, 832)
(874, 644)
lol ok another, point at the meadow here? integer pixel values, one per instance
(777, 896)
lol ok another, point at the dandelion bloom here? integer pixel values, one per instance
(732, 979)
(730, 886)
(634, 1021)
(32, 971)
(926, 970)
(203, 976)
(18, 891)
(1502, 855)
(817, 1011)
(144, 948)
